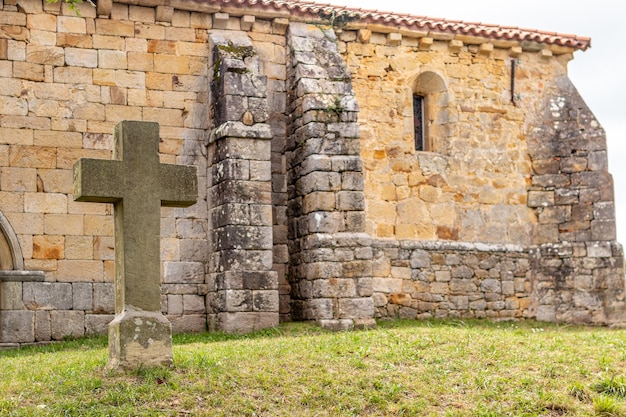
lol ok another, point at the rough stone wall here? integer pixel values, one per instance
(472, 185)
(423, 280)
(578, 282)
(65, 81)
(305, 211)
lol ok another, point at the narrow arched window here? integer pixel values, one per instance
(418, 122)
(429, 111)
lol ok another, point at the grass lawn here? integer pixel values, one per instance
(404, 368)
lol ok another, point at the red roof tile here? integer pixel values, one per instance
(313, 10)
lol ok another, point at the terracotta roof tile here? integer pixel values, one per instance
(312, 10)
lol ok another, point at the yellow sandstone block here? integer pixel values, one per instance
(80, 270)
(140, 61)
(115, 27)
(98, 225)
(45, 203)
(55, 180)
(63, 224)
(171, 64)
(112, 59)
(79, 247)
(32, 156)
(104, 248)
(48, 247)
(26, 223)
(156, 81)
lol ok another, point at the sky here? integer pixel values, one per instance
(598, 73)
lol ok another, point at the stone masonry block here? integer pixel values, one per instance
(48, 295)
(235, 300)
(540, 198)
(11, 296)
(355, 308)
(80, 270)
(103, 298)
(267, 301)
(319, 308)
(67, 324)
(350, 201)
(183, 272)
(82, 296)
(334, 287)
(193, 304)
(245, 260)
(48, 247)
(245, 322)
(603, 230)
(174, 304)
(604, 210)
(42, 326)
(599, 249)
(17, 326)
(97, 324)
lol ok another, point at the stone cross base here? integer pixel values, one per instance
(141, 338)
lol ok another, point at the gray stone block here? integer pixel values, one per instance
(174, 305)
(103, 298)
(354, 308)
(336, 325)
(67, 324)
(17, 326)
(48, 296)
(604, 210)
(264, 300)
(546, 313)
(234, 300)
(42, 326)
(540, 198)
(11, 296)
(245, 322)
(243, 237)
(420, 259)
(603, 230)
(189, 323)
(193, 304)
(599, 249)
(97, 324)
(82, 296)
(246, 260)
(183, 272)
(491, 285)
(194, 250)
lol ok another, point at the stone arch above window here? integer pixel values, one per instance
(10, 252)
(430, 102)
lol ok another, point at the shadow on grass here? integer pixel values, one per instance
(299, 329)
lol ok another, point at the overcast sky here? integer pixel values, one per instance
(599, 73)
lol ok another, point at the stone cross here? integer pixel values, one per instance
(138, 185)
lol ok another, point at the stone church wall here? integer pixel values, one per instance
(313, 202)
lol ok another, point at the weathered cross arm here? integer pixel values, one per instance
(90, 183)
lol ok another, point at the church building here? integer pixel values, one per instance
(352, 165)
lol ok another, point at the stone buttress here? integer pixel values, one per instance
(245, 293)
(577, 265)
(330, 270)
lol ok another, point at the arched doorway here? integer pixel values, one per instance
(10, 251)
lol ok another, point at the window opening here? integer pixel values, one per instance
(418, 121)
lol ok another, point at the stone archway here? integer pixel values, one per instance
(10, 251)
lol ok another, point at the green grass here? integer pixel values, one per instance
(404, 368)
